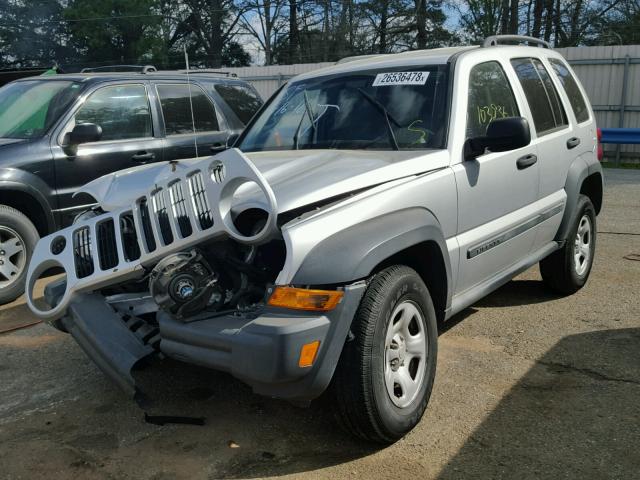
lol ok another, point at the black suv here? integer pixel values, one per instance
(59, 132)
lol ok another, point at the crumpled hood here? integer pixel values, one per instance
(297, 177)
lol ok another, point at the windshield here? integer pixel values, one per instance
(29, 108)
(402, 108)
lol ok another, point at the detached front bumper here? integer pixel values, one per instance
(262, 351)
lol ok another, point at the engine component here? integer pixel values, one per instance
(184, 284)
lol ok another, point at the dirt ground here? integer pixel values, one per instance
(528, 386)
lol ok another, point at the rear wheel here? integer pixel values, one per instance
(567, 270)
(385, 375)
(18, 238)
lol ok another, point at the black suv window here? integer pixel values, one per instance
(243, 100)
(546, 108)
(571, 87)
(121, 110)
(176, 109)
(490, 97)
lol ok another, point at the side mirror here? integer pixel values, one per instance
(84, 133)
(503, 134)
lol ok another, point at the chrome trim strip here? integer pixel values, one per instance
(513, 232)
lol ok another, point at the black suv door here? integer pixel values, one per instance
(176, 100)
(123, 112)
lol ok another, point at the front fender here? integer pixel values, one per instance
(14, 179)
(354, 252)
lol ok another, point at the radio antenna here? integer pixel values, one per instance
(193, 121)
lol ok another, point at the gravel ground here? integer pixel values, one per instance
(529, 385)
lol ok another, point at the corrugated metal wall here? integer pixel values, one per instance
(600, 69)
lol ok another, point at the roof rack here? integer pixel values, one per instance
(209, 71)
(498, 39)
(120, 68)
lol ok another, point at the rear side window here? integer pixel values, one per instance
(243, 100)
(490, 97)
(176, 109)
(573, 91)
(544, 102)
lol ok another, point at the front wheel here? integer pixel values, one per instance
(18, 238)
(384, 378)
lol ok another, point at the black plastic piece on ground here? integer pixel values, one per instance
(164, 419)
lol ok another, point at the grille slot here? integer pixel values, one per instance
(179, 207)
(82, 252)
(129, 237)
(106, 242)
(147, 230)
(160, 209)
(200, 200)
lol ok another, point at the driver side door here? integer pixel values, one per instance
(496, 191)
(128, 139)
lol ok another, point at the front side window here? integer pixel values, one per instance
(176, 101)
(403, 108)
(29, 108)
(243, 100)
(571, 88)
(544, 102)
(122, 111)
(490, 98)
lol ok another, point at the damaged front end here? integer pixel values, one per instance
(185, 267)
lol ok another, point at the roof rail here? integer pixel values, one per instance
(196, 71)
(120, 68)
(498, 39)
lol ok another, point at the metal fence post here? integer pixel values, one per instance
(623, 98)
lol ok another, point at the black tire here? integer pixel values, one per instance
(560, 270)
(363, 406)
(14, 221)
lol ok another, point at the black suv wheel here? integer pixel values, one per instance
(18, 238)
(385, 374)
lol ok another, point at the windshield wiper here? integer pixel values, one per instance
(387, 117)
(309, 112)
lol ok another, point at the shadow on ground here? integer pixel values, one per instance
(575, 414)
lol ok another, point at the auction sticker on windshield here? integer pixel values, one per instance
(400, 78)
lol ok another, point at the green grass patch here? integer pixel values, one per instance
(628, 165)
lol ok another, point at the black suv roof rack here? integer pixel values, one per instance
(209, 71)
(120, 68)
(498, 39)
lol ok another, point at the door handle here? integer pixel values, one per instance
(143, 157)
(573, 142)
(526, 161)
(217, 147)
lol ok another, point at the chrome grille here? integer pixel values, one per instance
(147, 230)
(82, 252)
(160, 209)
(179, 209)
(106, 242)
(129, 237)
(200, 201)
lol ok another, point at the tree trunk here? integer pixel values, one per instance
(538, 9)
(504, 17)
(421, 20)
(383, 27)
(548, 21)
(294, 33)
(514, 19)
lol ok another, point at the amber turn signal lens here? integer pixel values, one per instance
(308, 354)
(305, 299)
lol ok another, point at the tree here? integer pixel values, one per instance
(32, 34)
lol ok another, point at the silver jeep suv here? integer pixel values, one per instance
(363, 205)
